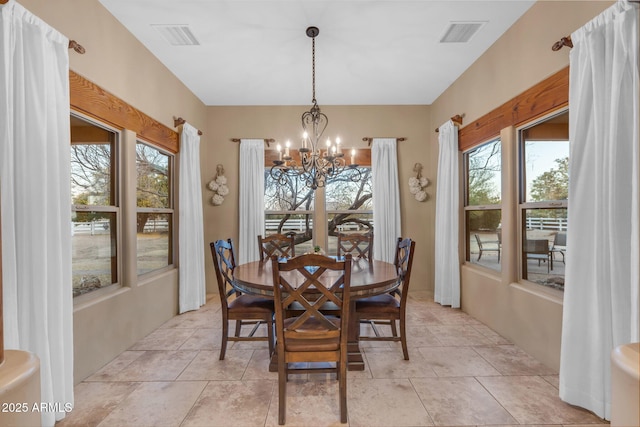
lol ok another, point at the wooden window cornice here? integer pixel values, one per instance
(546, 96)
(88, 98)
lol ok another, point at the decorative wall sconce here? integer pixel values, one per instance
(418, 183)
(219, 186)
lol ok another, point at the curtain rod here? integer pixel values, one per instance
(370, 140)
(75, 46)
(266, 140)
(566, 41)
(180, 121)
(457, 119)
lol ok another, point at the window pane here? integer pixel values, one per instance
(351, 190)
(545, 157)
(346, 223)
(544, 246)
(94, 251)
(289, 195)
(484, 168)
(153, 170)
(154, 238)
(484, 238)
(301, 224)
(349, 205)
(91, 170)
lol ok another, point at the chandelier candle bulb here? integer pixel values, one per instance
(279, 148)
(353, 156)
(286, 150)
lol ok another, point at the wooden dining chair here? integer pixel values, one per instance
(312, 336)
(388, 308)
(277, 244)
(243, 308)
(360, 246)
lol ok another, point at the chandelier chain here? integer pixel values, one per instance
(313, 68)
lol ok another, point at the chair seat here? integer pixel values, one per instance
(313, 336)
(378, 304)
(251, 304)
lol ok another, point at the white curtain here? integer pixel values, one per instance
(447, 263)
(386, 198)
(251, 202)
(35, 177)
(601, 292)
(192, 289)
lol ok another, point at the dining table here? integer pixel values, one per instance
(367, 279)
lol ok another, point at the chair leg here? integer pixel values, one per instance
(282, 389)
(270, 335)
(225, 338)
(479, 255)
(394, 330)
(238, 327)
(342, 385)
(403, 338)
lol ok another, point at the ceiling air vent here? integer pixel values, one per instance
(177, 35)
(461, 32)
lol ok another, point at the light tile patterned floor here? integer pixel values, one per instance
(461, 373)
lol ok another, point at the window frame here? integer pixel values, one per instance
(170, 210)
(523, 206)
(467, 208)
(115, 207)
(319, 212)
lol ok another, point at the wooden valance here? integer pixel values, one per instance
(550, 94)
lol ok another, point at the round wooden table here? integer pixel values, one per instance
(367, 279)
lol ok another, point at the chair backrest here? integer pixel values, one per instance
(277, 244)
(224, 262)
(537, 246)
(316, 280)
(358, 245)
(560, 239)
(403, 262)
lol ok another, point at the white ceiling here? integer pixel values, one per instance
(256, 52)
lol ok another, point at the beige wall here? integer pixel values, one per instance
(529, 316)
(116, 61)
(352, 123)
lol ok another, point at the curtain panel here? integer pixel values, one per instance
(386, 198)
(35, 177)
(601, 293)
(251, 203)
(192, 288)
(447, 262)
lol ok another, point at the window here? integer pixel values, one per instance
(483, 214)
(349, 205)
(95, 211)
(154, 201)
(289, 208)
(544, 184)
(292, 207)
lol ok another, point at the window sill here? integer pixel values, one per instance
(540, 291)
(87, 300)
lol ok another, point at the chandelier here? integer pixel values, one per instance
(315, 165)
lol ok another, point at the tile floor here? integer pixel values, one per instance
(461, 373)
